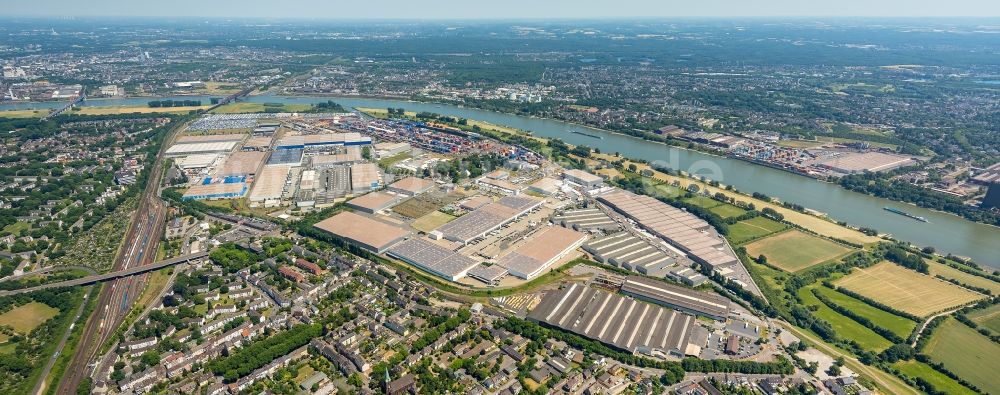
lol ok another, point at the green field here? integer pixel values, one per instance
(432, 221)
(387, 162)
(752, 228)
(940, 269)
(988, 317)
(795, 250)
(898, 325)
(844, 326)
(727, 211)
(941, 382)
(26, 317)
(966, 353)
(703, 201)
(907, 290)
(17, 227)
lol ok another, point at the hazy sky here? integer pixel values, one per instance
(500, 9)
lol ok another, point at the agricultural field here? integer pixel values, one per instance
(24, 318)
(795, 250)
(899, 325)
(432, 221)
(753, 228)
(941, 382)
(843, 325)
(937, 268)
(726, 210)
(968, 354)
(988, 318)
(907, 290)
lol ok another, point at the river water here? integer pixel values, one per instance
(947, 233)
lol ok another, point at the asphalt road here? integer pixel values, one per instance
(111, 275)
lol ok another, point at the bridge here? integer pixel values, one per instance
(75, 101)
(111, 275)
(231, 98)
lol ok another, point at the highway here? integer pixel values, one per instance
(111, 275)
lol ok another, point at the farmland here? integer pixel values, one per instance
(844, 326)
(988, 317)
(899, 325)
(906, 290)
(941, 382)
(967, 353)
(753, 228)
(795, 250)
(940, 269)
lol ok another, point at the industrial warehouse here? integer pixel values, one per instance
(619, 321)
(537, 255)
(681, 229)
(488, 218)
(684, 299)
(632, 253)
(433, 258)
(367, 233)
(586, 220)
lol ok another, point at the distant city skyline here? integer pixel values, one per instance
(509, 9)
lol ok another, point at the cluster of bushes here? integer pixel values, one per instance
(232, 258)
(331, 106)
(900, 256)
(445, 326)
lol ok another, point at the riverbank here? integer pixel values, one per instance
(948, 234)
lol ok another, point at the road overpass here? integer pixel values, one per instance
(111, 275)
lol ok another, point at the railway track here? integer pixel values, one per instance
(116, 299)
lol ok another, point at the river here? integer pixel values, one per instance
(947, 233)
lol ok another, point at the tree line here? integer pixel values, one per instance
(173, 103)
(261, 352)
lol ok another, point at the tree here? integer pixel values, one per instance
(85, 385)
(150, 358)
